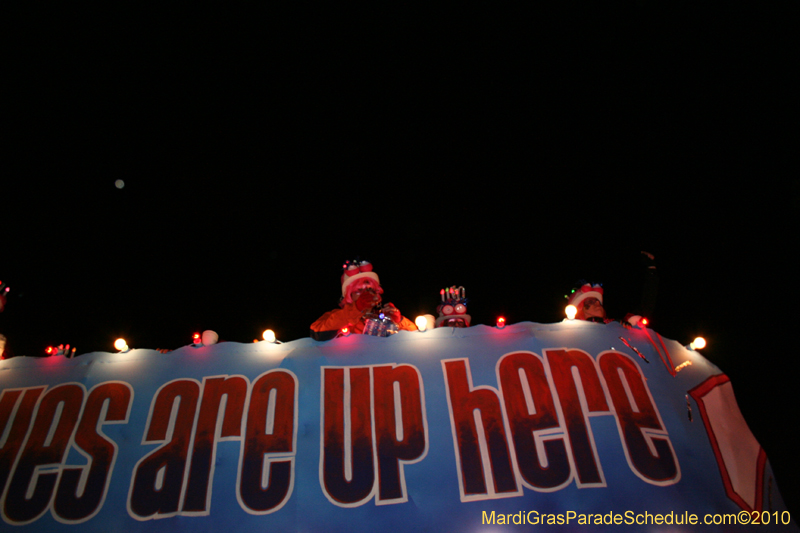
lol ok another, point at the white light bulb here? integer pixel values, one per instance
(209, 337)
(269, 335)
(571, 311)
(698, 343)
(120, 345)
(421, 322)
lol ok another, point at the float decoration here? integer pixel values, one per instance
(429, 430)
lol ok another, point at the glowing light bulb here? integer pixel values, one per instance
(209, 337)
(571, 311)
(501, 322)
(644, 321)
(269, 335)
(421, 322)
(196, 338)
(121, 345)
(49, 350)
(697, 344)
(345, 332)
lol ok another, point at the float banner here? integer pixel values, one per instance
(420, 431)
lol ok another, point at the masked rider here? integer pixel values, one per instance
(361, 296)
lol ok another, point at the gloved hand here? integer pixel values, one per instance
(390, 311)
(631, 319)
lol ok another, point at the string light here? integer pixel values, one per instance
(60, 350)
(121, 345)
(501, 322)
(697, 344)
(421, 322)
(269, 336)
(196, 339)
(571, 311)
(209, 338)
(344, 332)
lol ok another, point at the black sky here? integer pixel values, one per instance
(510, 153)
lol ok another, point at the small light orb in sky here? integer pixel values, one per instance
(119, 184)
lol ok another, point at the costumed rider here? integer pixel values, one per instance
(588, 301)
(453, 309)
(588, 298)
(361, 299)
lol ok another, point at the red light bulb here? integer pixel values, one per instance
(501, 322)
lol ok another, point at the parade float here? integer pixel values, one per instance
(573, 424)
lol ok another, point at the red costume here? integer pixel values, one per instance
(350, 317)
(361, 292)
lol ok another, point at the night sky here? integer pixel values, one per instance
(512, 154)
